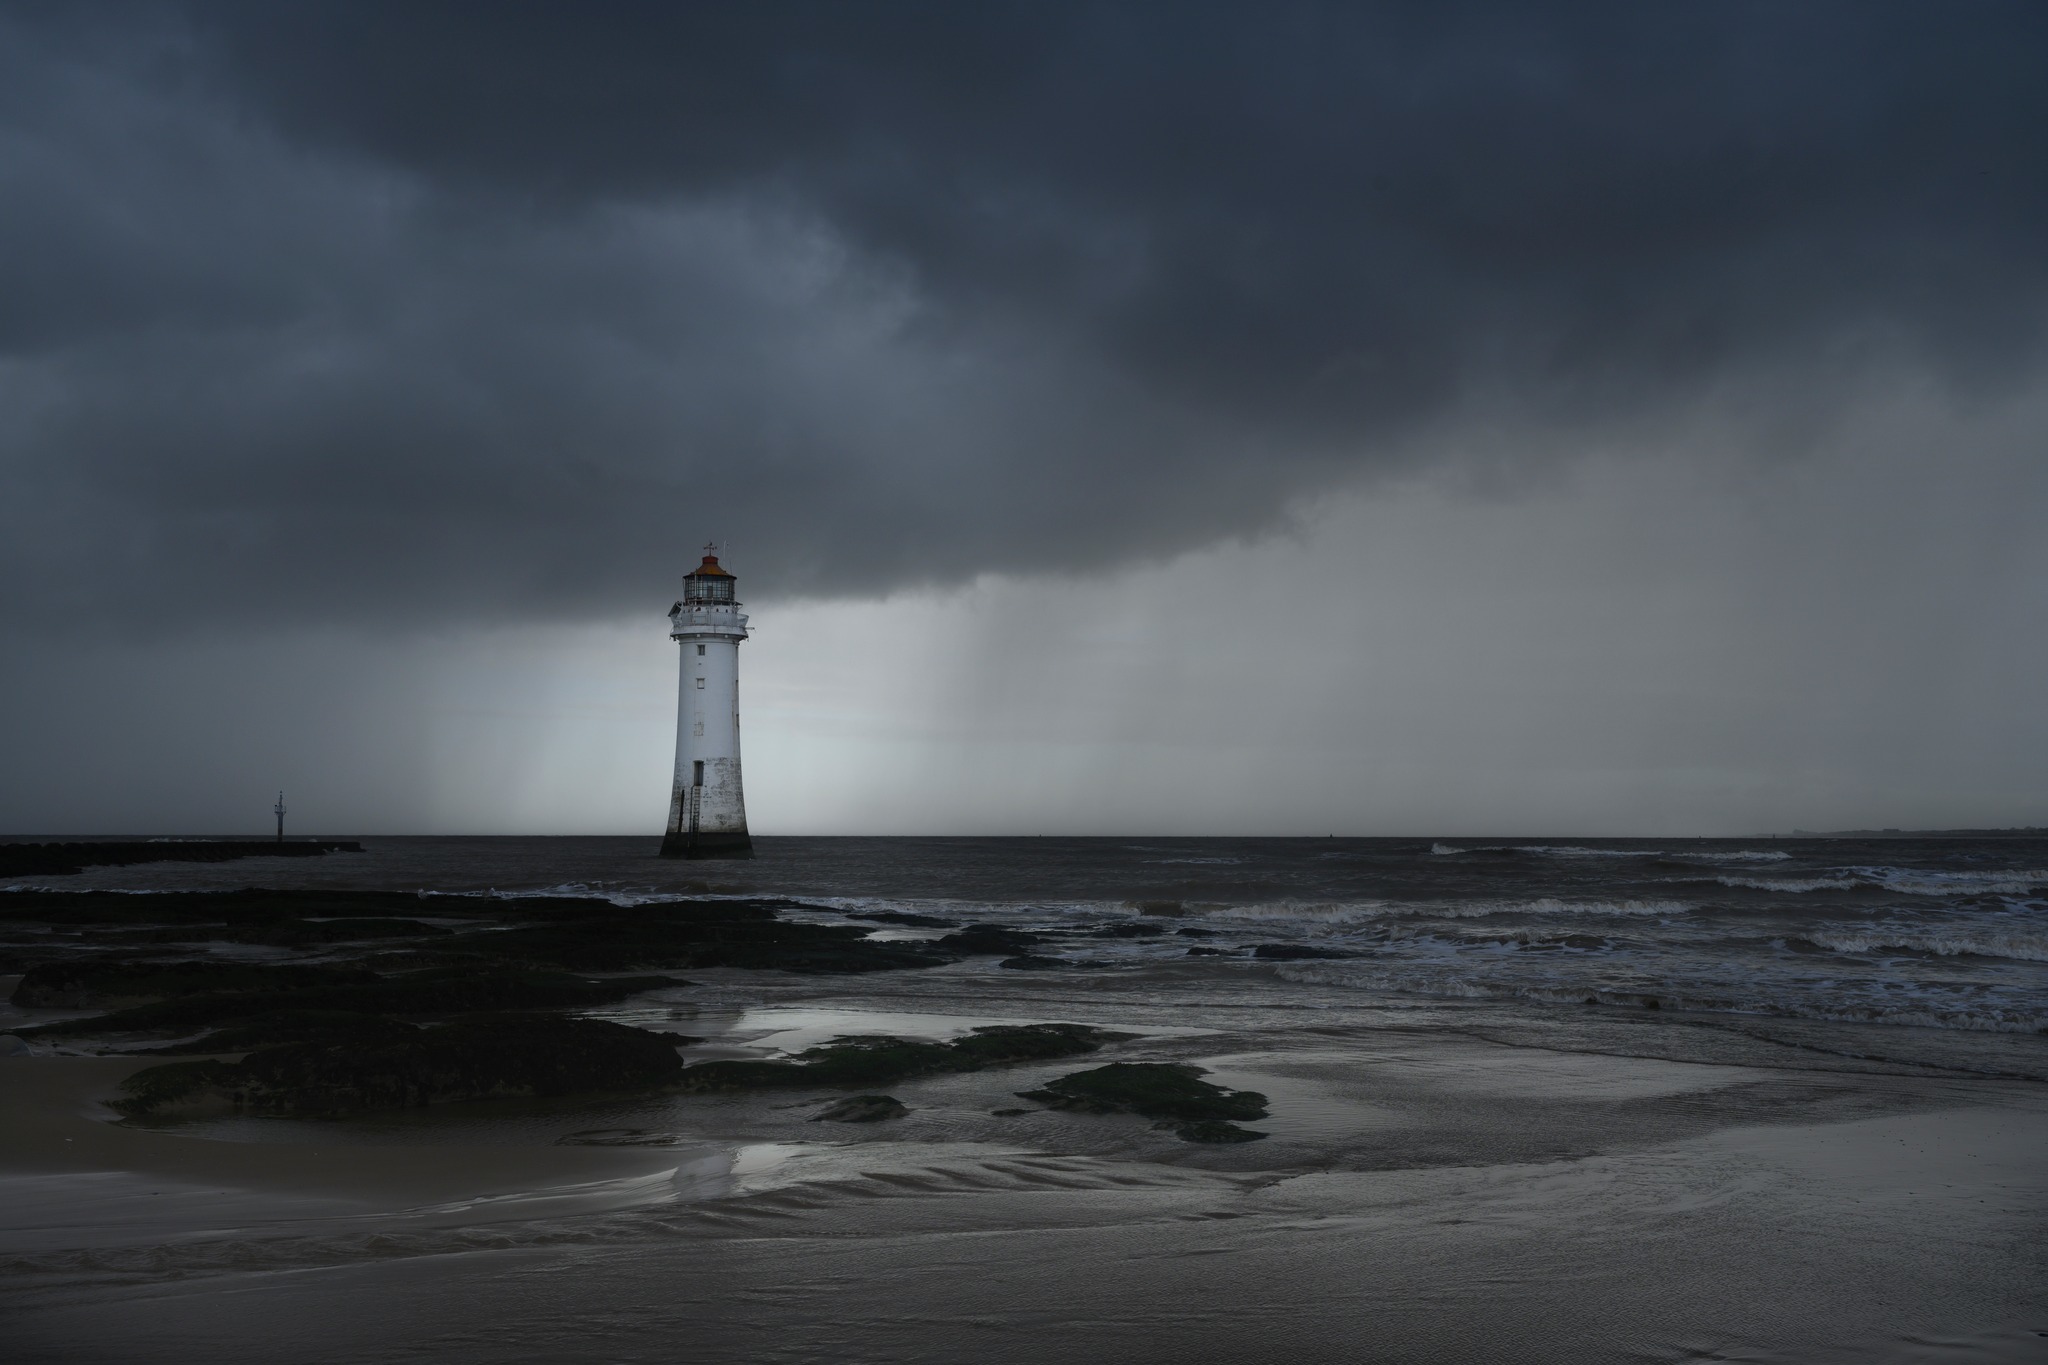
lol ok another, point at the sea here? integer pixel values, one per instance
(1530, 1099)
(1937, 933)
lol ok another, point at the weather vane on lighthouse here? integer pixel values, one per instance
(707, 809)
(279, 808)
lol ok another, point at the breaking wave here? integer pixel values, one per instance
(1549, 850)
(1342, 912)
(1917, 882)
(1905, 881)
(1549, 905)
(1791, 884)
(2017, 945)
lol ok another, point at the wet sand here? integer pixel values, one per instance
(1447, 1184)
(57, 1125)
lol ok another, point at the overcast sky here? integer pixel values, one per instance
(1446, 418)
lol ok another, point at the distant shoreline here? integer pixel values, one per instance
(2016, 832)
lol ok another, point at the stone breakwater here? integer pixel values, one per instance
(67, 859)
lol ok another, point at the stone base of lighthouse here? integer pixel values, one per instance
(687, 845)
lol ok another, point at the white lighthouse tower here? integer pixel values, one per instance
(707, 814)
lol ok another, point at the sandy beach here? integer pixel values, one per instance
(1445, 1183)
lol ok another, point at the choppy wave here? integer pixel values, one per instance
(1548, 850)
(2018, 945)
(1574, 851)
(1340, 912)
(1921, 882)
(1905, 881)
(1549, 905)
(1746, 855)
(1791, 885)
(1302, 912)
(1905, 1008)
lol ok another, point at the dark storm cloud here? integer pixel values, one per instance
(410, 312)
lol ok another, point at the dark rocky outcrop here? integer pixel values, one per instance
(447, 991)
(988, 940)
(479, 1058)
(703, 936)
(254, 905)
(573, 933)
(1213, 1130)
(1158, 1090)
(1128, 931)
(281, 933)
(1296, 952)
(103, 983)
(292, 1026)
(1034, 962)
(868, 1061)
(861, 1109)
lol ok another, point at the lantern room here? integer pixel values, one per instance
(708, 583)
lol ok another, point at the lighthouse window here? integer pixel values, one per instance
(700, 684)
(700, 651)
(697, 776)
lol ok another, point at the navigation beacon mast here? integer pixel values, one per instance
(707, 811)
(279, 808)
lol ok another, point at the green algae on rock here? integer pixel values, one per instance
(1212, 1130)
(862, 1109)
(1158, 1090)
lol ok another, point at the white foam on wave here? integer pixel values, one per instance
(1301, 912)
(1791, 884)
(1343, 912)
(1920, 882)
(1025, 913)
(1903, 880)
(1550, 905)
(1747, 855)
(2018, 945)
(1549, 850)
(1574, 851)
(617, 895)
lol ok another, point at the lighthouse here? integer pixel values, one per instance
(707, 811)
